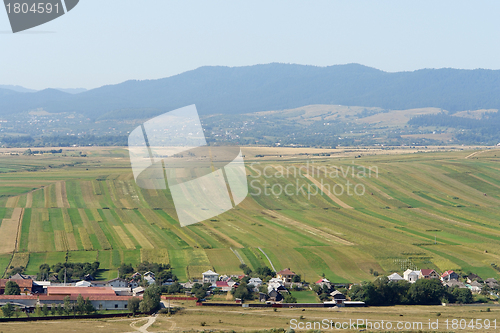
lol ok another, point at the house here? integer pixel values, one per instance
(428, 274)
(149, 273)
(411, 276)
(285, 275)
(187, 285)
(324, 282)
(473, 277)
(222, 285)
(138, 291)
(275, 296)
(210, 277)
(232, 283)
(454, 283)
(395, 277)
(338, 297)
(88, 277)
(26, 285)
(169, 282)
(257, 282)
(83, 283)
(19, 276)
(133, 284)
(149, 279)
(118, 283)
(449, 275)
(123, 291)
(491, 282)
(274, 283)
(475, 287)
(100, 284)
(263, 297)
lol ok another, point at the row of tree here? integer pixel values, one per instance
(422, 292)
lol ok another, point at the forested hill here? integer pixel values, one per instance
(234, 90)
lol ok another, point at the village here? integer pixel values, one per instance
(252, 289)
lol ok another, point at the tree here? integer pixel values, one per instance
(175, 288)
(38, 311)
(45, 310)
(426, 292)
(53, 309)
(199, 291)
(297, 278)
(17, 312)
(150, 300)
(60, 310)
(8, 310)
(67, 305)
(133, 305)
(462, 295)
(80, 304)
(289, 299)
(12, 288)
(88, 308)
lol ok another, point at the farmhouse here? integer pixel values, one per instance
(454, 283)
(449, 275)
(338, 297)
(475, 287)
(428, 274)
(222, 285)
(324, 282)
(257, 282)
(411, 276)
(118, 283)
(491, 282)
(83, 283)
(473, 277)
(395, 277)
(285, 275)
(210, 277)
(26, 285)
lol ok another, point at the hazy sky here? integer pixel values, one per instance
(109, 41)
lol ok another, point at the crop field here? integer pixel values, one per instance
(343, 216)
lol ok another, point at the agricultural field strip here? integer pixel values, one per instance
(302, 226)
(10, 230)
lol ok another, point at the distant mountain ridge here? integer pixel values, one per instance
(236, 90)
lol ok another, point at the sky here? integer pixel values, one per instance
(104, 42)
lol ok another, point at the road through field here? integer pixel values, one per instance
(144, 328)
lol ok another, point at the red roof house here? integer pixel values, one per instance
(428, 274)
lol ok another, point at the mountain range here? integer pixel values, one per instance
(237, 90)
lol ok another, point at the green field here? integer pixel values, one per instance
(435, 209)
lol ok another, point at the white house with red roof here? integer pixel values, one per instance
(449, 275)
(223, 285)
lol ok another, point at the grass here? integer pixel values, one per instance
(100, 214)
(305, 296)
